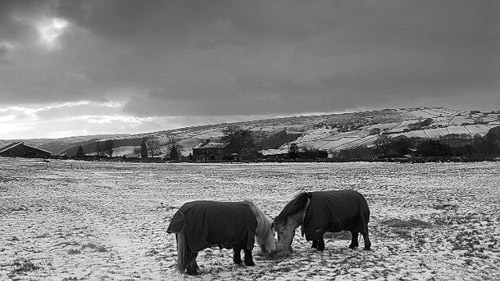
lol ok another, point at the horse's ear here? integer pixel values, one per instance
(309, 195)
(272, 225)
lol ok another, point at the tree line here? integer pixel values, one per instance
(151, 147)
(246, 145)
(453, 145)
(242, 144)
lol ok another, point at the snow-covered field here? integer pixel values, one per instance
(69, 220)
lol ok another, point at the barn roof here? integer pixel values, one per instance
(273, 151)
(18, 143)
(10, 146)
(211, 145)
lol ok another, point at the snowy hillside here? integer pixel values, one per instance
(339, 131)
(324, 132)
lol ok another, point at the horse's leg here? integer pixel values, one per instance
(237, 255)
(354, 240)
(321, 244)
(315, 244)
(192, 267)
(368, 244)
(248, 258)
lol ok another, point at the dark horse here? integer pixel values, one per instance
(201, 224)
(319, 212)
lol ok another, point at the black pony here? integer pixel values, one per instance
(201, 224)
(319, 212)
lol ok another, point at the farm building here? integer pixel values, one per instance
(275, 153)
(19, 149)
(210, 151)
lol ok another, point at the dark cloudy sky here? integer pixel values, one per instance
(76, 67)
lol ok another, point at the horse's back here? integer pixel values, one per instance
(215, 223)
(335, 211)
(348, 202)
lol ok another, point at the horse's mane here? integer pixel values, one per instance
(263, 222)
(293, 207)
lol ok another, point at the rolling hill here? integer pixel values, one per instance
(330, 133)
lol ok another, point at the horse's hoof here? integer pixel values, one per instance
(249, 263)
(193, 272)
(353, 246)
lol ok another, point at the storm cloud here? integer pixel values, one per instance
(217, 58)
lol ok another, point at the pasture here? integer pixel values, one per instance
(71, 220)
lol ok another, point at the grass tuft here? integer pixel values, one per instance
(74, 251)
(21, 266)
(407, 224)
(95, 247)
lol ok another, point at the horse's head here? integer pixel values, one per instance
(265, 232)
(289, 219)
(267, 242)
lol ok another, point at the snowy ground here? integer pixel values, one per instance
(69, 220)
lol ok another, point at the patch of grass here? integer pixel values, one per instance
(94, 247)
(403, 233)
(457, 219)
(281, 269)
(12, 239)
(407, 224)
(278, 255)
(343, 235)
(17, 209)
(152, 253)
(45, 235)
(67, 243)
(443, 221)
(74, 251)
(403, 228)
(22, 266)
(445, 207)
(469, 242)
(3, 180)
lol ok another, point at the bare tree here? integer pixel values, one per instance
(108, 147)
(143, 151)
(293, 151)
(382, 143)
(98, 149)
(241, 140)
(153, 144)
(137, 151)
(174, 147)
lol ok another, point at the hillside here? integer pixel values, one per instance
(324, 132)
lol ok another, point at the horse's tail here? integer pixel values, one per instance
(365, 218)
(364, 213)
(182, 250)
